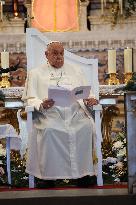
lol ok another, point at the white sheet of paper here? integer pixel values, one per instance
(65, 97)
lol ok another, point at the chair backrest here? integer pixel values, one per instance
(36, 43)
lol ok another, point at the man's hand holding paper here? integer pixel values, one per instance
(90, 101)
(65, 97)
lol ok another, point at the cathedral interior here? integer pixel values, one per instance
(94, 29)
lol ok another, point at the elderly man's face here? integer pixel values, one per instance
(55, 55)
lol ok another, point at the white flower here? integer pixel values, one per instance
(117, 180)
(117, 144)
(110, 160)
(25, 177)
(112, 166)
(105, 173)
(2, 151)
(124, 140)
(119, 165)
(122, 152)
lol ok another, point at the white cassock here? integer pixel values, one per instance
(63, 138)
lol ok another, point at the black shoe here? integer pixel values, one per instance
(43, 184)
(87, 181)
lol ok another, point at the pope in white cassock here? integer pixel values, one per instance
(62, 144)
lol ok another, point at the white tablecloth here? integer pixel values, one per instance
(7, 130)
(13, 141)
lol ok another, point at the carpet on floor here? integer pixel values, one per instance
(107, 186)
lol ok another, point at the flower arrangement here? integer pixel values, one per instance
(2, 165)
(19, 176)
(115, 160)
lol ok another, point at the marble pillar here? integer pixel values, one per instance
(130, 110)
(29, 11)
(83, 15)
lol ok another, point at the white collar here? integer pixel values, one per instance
(56, 71)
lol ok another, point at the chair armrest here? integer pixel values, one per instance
(97, 110)
(29, 108)
(97, 107)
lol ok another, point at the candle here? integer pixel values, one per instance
(15, 7)
(5, 59)
(121, 6)
(128, 60)
(112, 61)
(102, 7)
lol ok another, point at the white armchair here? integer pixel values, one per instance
(35, 47)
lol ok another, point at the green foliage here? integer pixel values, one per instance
(19, 177)
(115, 160)
(130, 8)
(2, 96)
(131, 85)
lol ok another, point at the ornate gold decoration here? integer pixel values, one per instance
(113, 79)
(127, 77)
(108, 114)
(5, 83)
(9, 116)
(23, 114)
(115, 10)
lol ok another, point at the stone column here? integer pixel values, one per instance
(29, 12)
(134, 60)
(83, 15)
(130, 108)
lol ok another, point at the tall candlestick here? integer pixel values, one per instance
(112, 61)
(121, 6)
(5, 59)
(128, 60)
